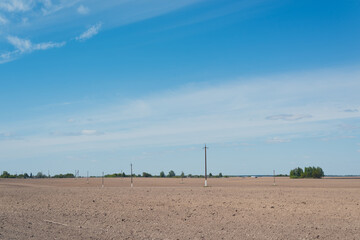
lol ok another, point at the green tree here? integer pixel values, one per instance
(171, 174)
(182, 175)
(210, 175)
(5, 174)
(40, 175)
(318, 172)
(296, 173)
(162, 174)
(308, 172)
(220, 175)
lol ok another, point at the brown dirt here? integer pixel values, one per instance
(232, 208)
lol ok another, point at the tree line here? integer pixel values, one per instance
(6, 174)
(162, 174)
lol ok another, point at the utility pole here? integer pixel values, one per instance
(205, 167)
(131, 175)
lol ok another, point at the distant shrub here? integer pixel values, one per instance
(67, 175)
(5, 174)
(162, 174)
(40, 175)
(220, 175)
(115, 175)
(145, 174)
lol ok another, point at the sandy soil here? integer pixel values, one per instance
(232, 208)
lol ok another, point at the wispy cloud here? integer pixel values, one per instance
(84, 132)
(7, 136)
(278, 140)
(289, 117)
(232, 112)
(83, 10)
(16, 5)
(3, 20)
(34, 18)
(351, 110)
(92, 31)
(23, 46)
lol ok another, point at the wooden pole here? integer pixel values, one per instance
(87, 177)
(131, 175)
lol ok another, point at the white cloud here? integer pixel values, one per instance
(3, 20)
(7, 57)
(277, 140)
(16, 5)
(23, 46)
(232, 112)
(7, 136)
(47, 45)
(35, 18)
(288, 117)
(89, 132)
(351, 110)
(83, 10)
(92, 31)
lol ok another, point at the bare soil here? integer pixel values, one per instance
(230, 208)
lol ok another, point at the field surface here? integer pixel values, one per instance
(230, 208)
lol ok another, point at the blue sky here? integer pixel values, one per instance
(97, 85)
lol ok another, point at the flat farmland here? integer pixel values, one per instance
(162, 208)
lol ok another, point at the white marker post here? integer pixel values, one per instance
(274, 177)
(131, 176)
(102, 180)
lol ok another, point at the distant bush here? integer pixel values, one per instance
(281, 175)
(145, 174)
(116, 175)
(162, 174)
(309, 172)
(5, 174)
(67, 175)
(40, 175)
